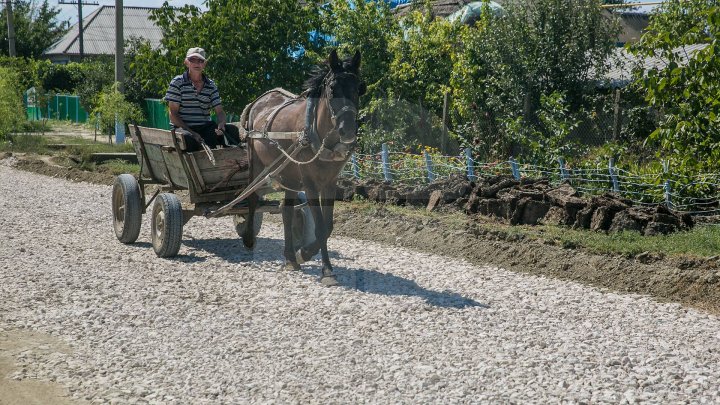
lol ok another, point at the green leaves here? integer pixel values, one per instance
(687, 90)
(11, 103)
(36, 28)
(252, 47)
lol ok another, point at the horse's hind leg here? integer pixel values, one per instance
(288, 215)
(248, 237)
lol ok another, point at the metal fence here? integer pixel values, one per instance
(58, 107)
(698, 195)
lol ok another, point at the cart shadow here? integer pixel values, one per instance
(233, 251)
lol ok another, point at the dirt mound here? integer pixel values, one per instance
(525, 202)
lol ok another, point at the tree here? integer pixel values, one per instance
(36, 28)
(534, 49)
(252, 46)
(687, 87)
(11, 104)
(368, 27)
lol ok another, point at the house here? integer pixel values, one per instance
(99, 33)
(632, 24)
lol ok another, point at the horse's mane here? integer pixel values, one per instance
(313, 84)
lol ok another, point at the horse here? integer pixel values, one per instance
(326, 119)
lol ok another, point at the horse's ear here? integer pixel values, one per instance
(334, 61)
(356, 60)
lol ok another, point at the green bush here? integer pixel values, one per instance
(12, 114)
(111, 106)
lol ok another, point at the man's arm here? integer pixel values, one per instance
(178, 122)
(221, 118)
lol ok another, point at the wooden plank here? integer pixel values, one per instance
(230, 171)
(156, 136)
(195, 174)
(175, 169)
(146, 171)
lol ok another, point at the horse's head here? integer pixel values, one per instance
(341, 90)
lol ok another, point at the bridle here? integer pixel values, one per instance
(327, 95)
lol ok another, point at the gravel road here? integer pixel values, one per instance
(221, 325)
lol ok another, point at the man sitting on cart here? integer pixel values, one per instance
(190, 96)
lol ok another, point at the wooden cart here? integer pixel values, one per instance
(165, 163)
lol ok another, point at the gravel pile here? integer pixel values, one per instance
(221, 325)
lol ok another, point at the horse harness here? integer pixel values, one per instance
(301, 139)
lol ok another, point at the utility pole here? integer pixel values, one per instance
(119, 44)
(11, 27)
(80, 3)
(119, 72)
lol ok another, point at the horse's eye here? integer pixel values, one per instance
(362, 89)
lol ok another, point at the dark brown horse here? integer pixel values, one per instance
(329, 124)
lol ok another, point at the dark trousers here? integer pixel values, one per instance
(207, 132)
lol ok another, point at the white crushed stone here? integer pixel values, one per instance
(221, 325)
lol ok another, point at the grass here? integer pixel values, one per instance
(118, 167)
(701, 241)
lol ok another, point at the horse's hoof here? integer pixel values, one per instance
(329, 281)
(288, 266)
(249, 243)
(299, 257)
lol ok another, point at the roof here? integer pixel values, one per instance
(440, 8)
(620, 73)
(632, 23)
(99, 32)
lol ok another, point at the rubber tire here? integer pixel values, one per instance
(127, 208)
(303, 227)
(167, 225)
(239, 221)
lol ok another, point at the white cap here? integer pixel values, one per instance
(199, 52)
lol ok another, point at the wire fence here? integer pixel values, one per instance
(699, 195)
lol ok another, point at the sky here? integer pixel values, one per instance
(70, 11)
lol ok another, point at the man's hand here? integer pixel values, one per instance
(220, 130)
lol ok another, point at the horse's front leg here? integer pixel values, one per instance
(327, 198)
(321, 235)
(288, 216)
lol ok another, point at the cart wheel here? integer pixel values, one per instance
(126, 206)
(303, 228)
(167, 225)
(239, 221)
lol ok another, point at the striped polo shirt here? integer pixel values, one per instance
(194, 107)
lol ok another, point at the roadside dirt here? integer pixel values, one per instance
(691, 281)
(28, 391)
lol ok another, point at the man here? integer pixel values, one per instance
(190, 96)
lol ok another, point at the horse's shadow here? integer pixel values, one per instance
(369, 281)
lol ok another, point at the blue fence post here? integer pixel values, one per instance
(386, 162)
(666, 188)
(613, 175)
(515, 168)
(355, 167)
(563, 170)
(470, 163)
(429, 166)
